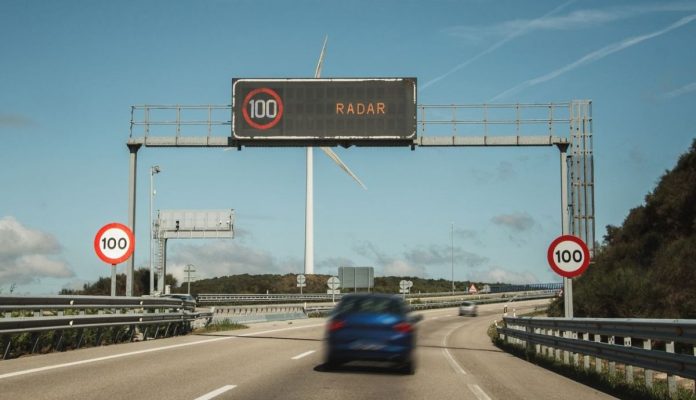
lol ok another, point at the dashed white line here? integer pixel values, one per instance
(216, 392)
(478, 392)
(305, 354)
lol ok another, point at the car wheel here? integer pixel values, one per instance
(408, 368)
(331, 363)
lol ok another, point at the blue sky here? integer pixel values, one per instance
(70, 71)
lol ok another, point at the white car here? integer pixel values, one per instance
(468, 308)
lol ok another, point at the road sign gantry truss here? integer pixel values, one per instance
(566, 125)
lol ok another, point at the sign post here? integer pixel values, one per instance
(334, 284)
(569, 257)
(403, 287)
(114, 243)
(301, 282)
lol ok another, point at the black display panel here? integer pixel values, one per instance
(370, 111)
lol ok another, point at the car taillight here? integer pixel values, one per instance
(336, 325)
(403, 327)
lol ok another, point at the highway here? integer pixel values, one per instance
(283, 360)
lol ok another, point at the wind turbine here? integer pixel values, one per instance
(309, 205)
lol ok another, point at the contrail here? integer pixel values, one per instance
(691, 87)
(524, 29)
(595, 56)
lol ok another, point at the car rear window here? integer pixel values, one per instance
(380, 305)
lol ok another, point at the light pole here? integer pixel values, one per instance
(452, 254)
(155, 169)
(188, 270)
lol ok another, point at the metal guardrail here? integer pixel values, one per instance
(325, 309)
(209, 299)
(644, 343)
(36, 315)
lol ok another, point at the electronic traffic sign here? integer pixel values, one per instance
(302, 112)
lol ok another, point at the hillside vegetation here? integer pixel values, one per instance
(262, 283)
(646, 268)
(287, 283)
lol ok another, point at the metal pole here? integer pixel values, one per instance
(567, 282)
(113, 280)
(188, 278)
(152, 194)
(133, 148)
(452, 254)
(309, 215)
(163, 273)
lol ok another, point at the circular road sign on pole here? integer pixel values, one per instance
(333, 283)
(114, 243)
(568, 256)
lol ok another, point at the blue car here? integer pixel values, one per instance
(371, 327)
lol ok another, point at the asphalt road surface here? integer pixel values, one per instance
(283, 360)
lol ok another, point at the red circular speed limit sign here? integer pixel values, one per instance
(262, 108)
(568, 256)
(114, 243)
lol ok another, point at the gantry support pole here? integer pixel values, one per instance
(133, 148)
(565, 227)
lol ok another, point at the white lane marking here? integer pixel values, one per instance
(478, 392)
(282, 329)
(216, 392)
(448, 355)
(132, 353)
(305, 354)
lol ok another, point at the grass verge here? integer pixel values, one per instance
(222, 326)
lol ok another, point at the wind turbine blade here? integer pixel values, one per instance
(343, 166)
(317, 72)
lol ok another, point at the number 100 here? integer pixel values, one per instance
(111, 243)
(263, 108)
(566, 255)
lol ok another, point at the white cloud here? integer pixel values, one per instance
(27, 255)
(497, 274)
(574, 20)
(594, 56)
(473, 34)
(330, 265)
(403, 268)
(15, 121)
(691, 87)
(369, 250)
(440, 255)
(518, 222)
(225, 257)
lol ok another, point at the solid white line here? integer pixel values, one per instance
(478, 392)
(216, 392)
(282, 329)
(453, 362)
(132, 353)
(448, 355)
(305, 354)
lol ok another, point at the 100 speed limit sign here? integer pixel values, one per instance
(262, 108)
(568, 256)
(114, 243)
